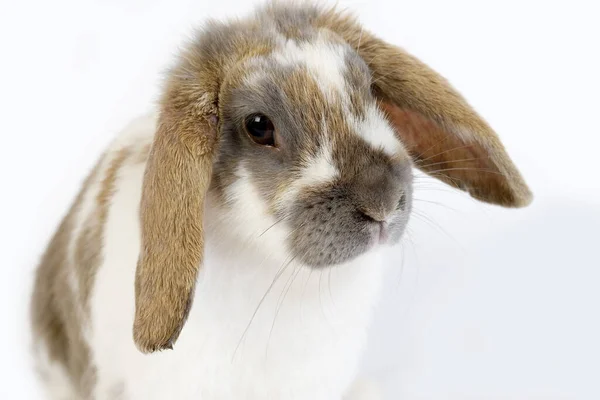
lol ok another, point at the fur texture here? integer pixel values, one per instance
(277, 247)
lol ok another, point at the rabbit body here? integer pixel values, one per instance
(260, 328)
(238, 233)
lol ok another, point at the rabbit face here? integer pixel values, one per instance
(304, 146)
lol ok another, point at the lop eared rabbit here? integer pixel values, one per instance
(237, 234)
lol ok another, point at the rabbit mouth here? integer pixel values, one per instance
(388, 232)
(382, 232)
(326, 233)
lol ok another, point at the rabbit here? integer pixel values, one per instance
(231, 244)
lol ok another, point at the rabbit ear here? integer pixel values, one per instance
(176, 180)
(471, 160)
(447, 139)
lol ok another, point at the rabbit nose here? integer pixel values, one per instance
(382, 191)
(382, 210)
(374, 215)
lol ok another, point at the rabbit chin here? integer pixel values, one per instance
(388, 233)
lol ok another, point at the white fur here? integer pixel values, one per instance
(318, 170)
(248, 214)
(323, 59)
(303, 342)
(376, 131)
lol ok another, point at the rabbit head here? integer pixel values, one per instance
(298, 117)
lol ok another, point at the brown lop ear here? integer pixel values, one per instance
(176, 180)
(444, 135)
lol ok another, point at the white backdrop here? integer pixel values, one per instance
(482, 302)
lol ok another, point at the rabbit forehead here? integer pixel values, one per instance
(340, 73)
(323, 57)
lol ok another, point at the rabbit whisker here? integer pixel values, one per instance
(286, 288)
(274, 224)
(452, 161)
(436, 226)
(277, 276)
(466, 169)
(441, 152)
(437, 203)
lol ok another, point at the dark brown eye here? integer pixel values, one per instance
(261, 129)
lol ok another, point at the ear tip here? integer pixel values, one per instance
(148, 344)
(148, 338)
(525, 199)
(516, 195)
(520, 197)
(521, 193)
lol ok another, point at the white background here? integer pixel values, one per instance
(487, 303)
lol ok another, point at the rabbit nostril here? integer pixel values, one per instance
(372, 215)
(402, 202)
(365, 216)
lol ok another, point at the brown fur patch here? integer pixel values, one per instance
(59, 312)
(305, 95)
(88, 250)
(56, 309)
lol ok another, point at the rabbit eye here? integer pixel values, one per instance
(260, 129)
